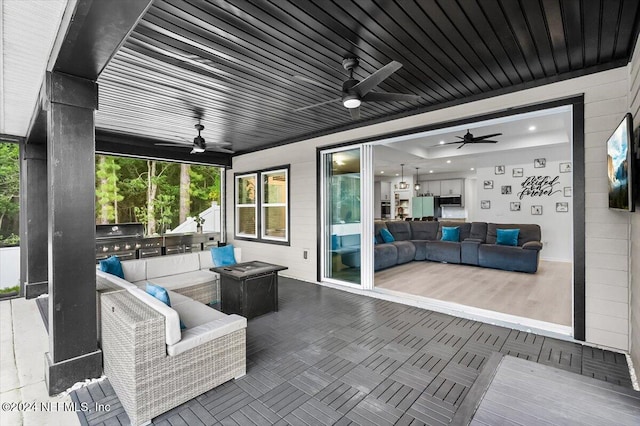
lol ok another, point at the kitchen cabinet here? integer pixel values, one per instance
(431, 187)
(451, 187)
(402, 204)
(385, 191)
(421, 207)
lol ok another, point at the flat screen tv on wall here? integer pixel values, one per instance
(620, 164)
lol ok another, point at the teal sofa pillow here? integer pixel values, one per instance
(159, 293)
(451, 233)
(386, 236)
(507, 237)
(223, 256)
(162, 295)
(112, 266)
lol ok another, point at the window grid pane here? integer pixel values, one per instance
(274, 205)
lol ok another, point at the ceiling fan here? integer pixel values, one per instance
(199, 145)
(468, 138)
(355, 92)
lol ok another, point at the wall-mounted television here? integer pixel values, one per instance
(620, 165)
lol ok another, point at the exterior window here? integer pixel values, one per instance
(274, 205)
(246, 206)
(262, 205)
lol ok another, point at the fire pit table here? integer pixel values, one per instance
(249, 289)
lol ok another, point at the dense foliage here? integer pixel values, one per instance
(158, 194)
(135, 190)
(9, 192)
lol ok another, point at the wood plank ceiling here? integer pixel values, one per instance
(234, 62)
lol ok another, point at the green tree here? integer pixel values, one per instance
(9, 190)
(204, 187)
(107, 192)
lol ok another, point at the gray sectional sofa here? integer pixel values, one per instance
(421, 240)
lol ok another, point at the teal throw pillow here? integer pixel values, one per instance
(335, 242)
(162, 295)
(507, 237)
(159, 293)
(112, 266)
(223, 256)
(451, 233)
(386, 236)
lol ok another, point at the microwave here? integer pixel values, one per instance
(451, 200)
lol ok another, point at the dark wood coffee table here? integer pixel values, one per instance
(249, 289)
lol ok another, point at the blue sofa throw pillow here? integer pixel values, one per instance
(112, 266)
(507, 237)
(386, 236)
(451, 233)
(223, 256)
(162, 295)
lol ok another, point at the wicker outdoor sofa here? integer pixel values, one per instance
(153, 364)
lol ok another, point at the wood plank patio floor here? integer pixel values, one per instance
(332, 357)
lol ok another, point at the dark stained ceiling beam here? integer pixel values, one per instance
(93, 32)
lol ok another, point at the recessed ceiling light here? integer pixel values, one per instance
(532, 128)
(430, 171)
(381, 172)
(441, 142)
(448, 161)
(472, 168)
(397, 174)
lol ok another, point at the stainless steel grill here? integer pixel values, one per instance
(118, 240)
(127, 241)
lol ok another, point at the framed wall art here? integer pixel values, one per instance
(565, 167)
(536, 210)
(540, 163)
(517, 172)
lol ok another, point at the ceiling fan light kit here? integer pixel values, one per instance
(355, 92)
(199, 144)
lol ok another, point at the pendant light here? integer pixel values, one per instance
(403, 184)
(417, 185)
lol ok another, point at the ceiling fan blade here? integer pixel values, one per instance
(317, 105)
(486, 141)
(218, 149)
(479, 138)
(366, 85)
(462, 145)
(389, 97)
(450, 143)
(355, 113)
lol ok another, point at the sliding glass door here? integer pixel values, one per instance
(341, 216)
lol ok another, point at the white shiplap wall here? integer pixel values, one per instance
(607, 232)
(634, 108)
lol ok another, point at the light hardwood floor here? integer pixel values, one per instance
(545, 295)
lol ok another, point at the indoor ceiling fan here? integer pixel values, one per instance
(468, 138)
(355, 92)
(199, 144)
